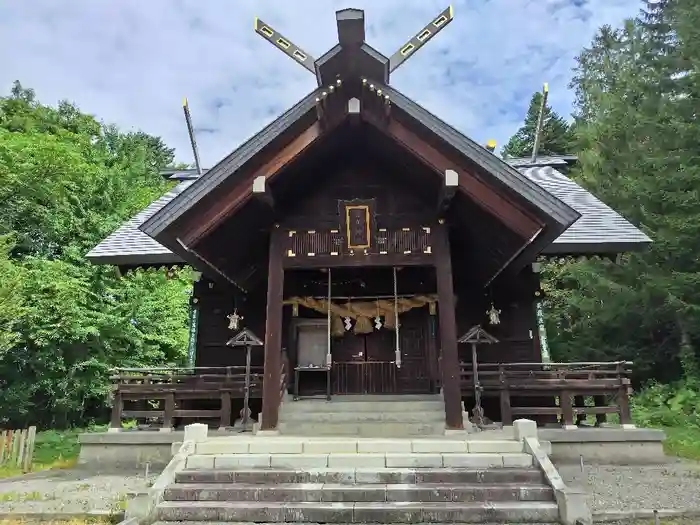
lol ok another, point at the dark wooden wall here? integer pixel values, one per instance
(216, 302)
(517, 332)
(358, 178)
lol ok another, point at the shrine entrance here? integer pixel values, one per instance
(357, 348)
(366, 363)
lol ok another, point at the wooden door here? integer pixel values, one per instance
(414, 375)
(312, 345)
(380, 368)
(348, 364)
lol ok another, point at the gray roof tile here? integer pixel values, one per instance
(600, 228)
(128, 245)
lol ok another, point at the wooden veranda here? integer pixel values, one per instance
(158, 398)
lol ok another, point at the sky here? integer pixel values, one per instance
(131, 62)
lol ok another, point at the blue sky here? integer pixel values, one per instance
(130, 62)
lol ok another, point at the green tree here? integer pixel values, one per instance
(638, 139)
(555, 139)
(66, 181)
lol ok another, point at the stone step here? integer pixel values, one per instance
(329, 492)
(360, 405)
(521, 476)
(357, 460)
(328, 445)
(365, 512)
(385, 430)
(359, 417)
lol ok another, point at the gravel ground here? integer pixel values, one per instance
(673, 486)
(71, 491)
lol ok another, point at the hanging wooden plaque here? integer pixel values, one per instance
(357, 217)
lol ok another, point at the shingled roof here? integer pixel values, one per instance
(599, 230)
(129, 246)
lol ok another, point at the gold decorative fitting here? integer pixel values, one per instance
(338, 82)
(426, 229)
(312, 231)
(335, 231)
(290, 253)
(331, 88)
(310, 254)
(334, 253)
(405, 229)
(441, 221)
(292, 233)
(406, 252)
(428, 249)
(383, 253)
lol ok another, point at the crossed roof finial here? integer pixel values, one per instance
(351, 39)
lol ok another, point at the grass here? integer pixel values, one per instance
(683, 442)
(54, 450)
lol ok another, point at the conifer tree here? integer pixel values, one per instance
(555, 139)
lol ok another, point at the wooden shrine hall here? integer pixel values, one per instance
(360, 245)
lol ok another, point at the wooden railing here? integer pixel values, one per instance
(363, 377)
(161, 395)
(607, 385)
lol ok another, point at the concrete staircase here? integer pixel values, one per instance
(364, 416)
(358, 480)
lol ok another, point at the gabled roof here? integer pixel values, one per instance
(548, 208)
(534, 216)
(599, 230)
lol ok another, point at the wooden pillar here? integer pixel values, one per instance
(448, 329)
(117, 407)
(273, 333)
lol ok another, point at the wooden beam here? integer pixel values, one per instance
(261, 191)
(208, 264)
(233, 198)
(273, 334)
(507, 211)
(447, 191)
(448, 329)
(359, 260)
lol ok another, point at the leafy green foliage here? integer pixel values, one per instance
(556, 137)
(637, 138)
(67, 181)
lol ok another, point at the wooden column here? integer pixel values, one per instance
(448, 329)
(273, 333)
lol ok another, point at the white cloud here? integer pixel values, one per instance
(131, 62)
